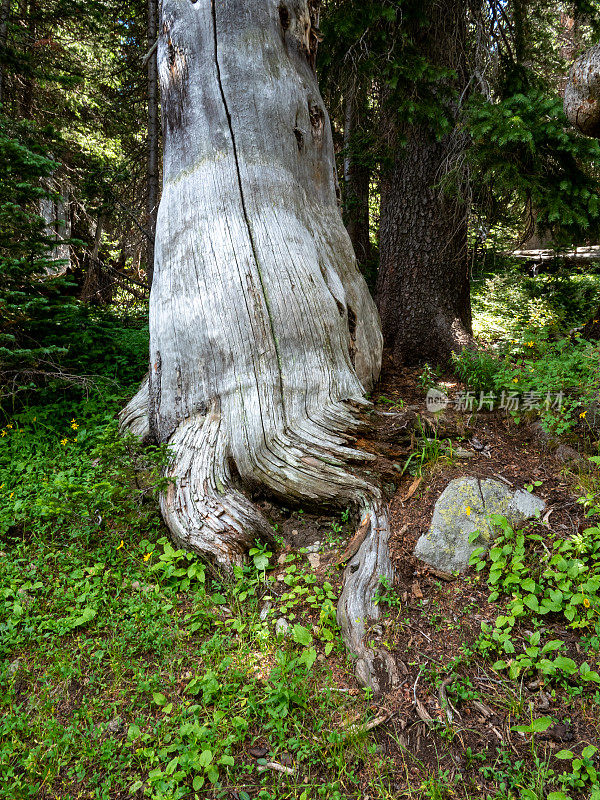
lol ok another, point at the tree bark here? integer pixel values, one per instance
(263, 336)
(56, 212)
(423, 280)
(356, 179)
(582, 107)
(152, 178)
(582, 93)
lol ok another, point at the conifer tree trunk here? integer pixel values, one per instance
(582, 93)
(423, 281)
(356, 177)
(263, 336)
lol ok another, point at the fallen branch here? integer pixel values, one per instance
(374, 723)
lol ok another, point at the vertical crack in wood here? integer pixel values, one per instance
(243, 203)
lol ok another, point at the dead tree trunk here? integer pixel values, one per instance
(582, 93)
(582, 107)
(263, 336)
(152, 177)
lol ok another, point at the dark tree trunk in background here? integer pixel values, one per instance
(357, 178)
(423, 280)
(153, 142)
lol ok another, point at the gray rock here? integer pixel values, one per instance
(264, 612)
(282, 627)
(115, 726)
(14, 667)
(313, 548)
(463, 509)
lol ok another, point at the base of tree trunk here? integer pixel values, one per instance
(207, 512)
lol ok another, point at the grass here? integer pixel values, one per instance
(129, 669)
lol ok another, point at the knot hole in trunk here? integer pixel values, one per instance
(284, 16)
(317, 119)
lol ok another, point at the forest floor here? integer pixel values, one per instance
(130, 670)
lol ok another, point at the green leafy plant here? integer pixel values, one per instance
(561, 580)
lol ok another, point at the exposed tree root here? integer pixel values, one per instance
(375, 667)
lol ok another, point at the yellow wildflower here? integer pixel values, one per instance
(9, 425)
(468, 511)
(73, 420)
(121, 545)
(147, 556)
(11, 495)
(74, 425)
(586, 602)
(515, 380)
(63, 442)
(582, 415)
(3, 433)
(530, 344)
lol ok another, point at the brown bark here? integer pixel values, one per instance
(29, 85)
(356, 179)
(582, 107)
(423, 282)
(98, 285)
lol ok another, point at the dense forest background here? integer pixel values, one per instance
(474, 92)
(131, 669)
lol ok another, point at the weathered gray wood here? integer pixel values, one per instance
(152, 164)
(582, 93)
(263, 336)
(375, 666)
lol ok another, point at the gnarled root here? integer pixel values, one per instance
(375, 667)
(202, 508)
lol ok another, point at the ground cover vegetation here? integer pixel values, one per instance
(131, 668)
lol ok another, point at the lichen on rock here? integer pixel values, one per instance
(463, 509)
